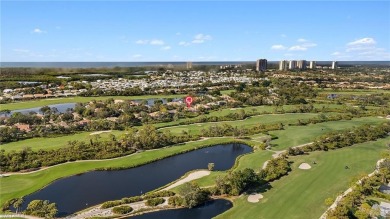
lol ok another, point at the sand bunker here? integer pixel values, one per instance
(254, 197)
(100, 132)
(304, 166)
(194, 175)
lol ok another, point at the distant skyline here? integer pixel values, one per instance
(136, 31)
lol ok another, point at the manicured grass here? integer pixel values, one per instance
(301, 194)
(77, 99)
(297, 135)
(55, 142)
(20, 185)
(353, 92)
(255, 120)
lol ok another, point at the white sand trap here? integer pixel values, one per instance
(100, 132)
(254, 197)
(190, 177)
(304, 166)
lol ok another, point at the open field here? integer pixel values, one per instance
(55, 142)
(353, 92)
(297, 135)
(301, 194)
(78, 99)
(252, 121)
(20, 185)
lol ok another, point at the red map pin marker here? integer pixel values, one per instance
(189, 101)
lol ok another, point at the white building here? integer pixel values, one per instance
(335, 65)
(301, 64)
(292, 64)
(313, 65)
(283, 65)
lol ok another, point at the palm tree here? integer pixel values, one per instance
(18, 203)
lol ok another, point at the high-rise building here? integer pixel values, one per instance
(189, 65)
(335, 65)
(292, 64)
(313, 65)
(301, 64)
(283, 65)
(261, 65)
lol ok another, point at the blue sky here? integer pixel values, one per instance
(194, 30)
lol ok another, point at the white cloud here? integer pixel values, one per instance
(198, 39)
(154, 42)
(184, 43)
(201, 38)
(157, 42)
(166, 48)
(362, 42)
(278, 47)
(298, 48)
(39, 31)
(137, 56)
(303, 46)
(142, 41)
(362, 49)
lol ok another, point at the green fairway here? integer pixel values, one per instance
(301, 194)
(55, 142)
(252, 121)
(297, 135)
(77, 99)
(20, 185)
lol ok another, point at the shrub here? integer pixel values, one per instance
(176, 201)
(131, 199)
(122, 210)
(164, 193)
(154, 201)
(109, 204)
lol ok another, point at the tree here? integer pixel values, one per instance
(18, 203)
(193, 195)
(211, 166)
(41, 208)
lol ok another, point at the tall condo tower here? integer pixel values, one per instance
(261, 65)
(335, 65)
(283, 65)
(301, 64)
(292, 64)
(313, 65)
(189, 65)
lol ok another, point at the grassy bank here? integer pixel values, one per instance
(55, 142)
(20, 185)
(297, 135)
(301, 194)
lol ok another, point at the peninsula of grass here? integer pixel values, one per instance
(250, 122)
(301, 193)
(297, 135)
(77, 99)
(50, 143)
(19, 185)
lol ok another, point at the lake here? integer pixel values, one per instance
(75, 193)
(208, 210)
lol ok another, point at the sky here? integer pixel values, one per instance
(135, 31)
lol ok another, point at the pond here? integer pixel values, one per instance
(208, 210)
(60, 107)
(64, 106)
(81, 191)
